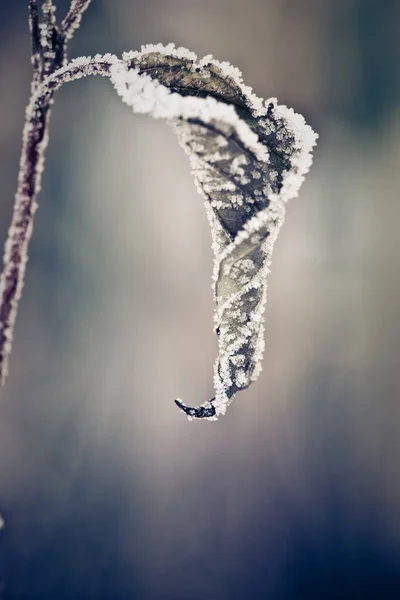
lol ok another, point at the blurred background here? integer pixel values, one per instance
(106, 490)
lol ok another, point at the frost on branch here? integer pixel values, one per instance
(248, 158)
(49, 54)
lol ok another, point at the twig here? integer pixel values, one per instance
(35, 35)
(73, 18)
(48, 55)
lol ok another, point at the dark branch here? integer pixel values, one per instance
(48, 54)
(73, 18)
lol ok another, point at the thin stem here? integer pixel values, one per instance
(73, 18)
(35, 139)
(16, 248)
(48, 54)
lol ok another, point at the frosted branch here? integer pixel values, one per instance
(48, 54)
(73, 17)
(248, 157)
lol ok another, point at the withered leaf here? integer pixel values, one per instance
(248, 158)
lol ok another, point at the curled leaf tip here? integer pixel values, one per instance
(205, 411)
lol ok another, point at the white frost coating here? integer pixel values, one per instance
(74, 16)
(295, 123)
(164, 50)
(148, 96)
(301, 161)
(76, 69)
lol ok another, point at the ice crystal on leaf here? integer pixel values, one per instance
(248, 157)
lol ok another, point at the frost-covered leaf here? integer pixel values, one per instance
(248, 158)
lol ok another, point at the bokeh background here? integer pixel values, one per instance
(107, 491)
